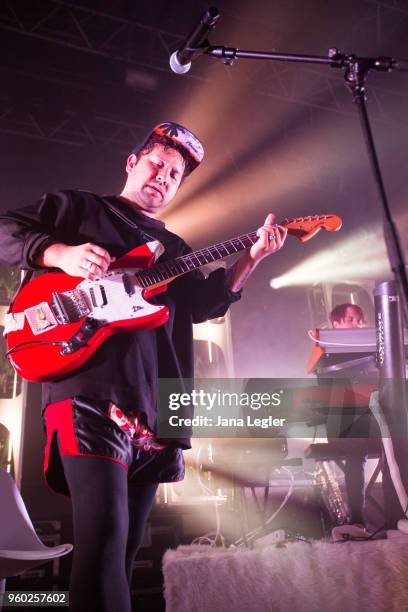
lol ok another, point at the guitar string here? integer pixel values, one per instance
(165, 267)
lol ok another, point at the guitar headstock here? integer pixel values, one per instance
(305, 228)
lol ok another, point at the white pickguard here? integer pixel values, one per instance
(120, 305)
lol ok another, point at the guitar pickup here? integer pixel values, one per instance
(98, 296)
(127, 283)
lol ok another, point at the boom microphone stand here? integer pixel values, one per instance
(356, 70)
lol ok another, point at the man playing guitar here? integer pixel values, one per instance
(101, 419)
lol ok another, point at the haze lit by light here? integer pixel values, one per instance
(362, 256)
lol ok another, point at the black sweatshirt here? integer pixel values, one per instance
(126, 367)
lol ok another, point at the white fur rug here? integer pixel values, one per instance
(323, 577)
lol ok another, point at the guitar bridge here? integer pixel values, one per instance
(69, 307)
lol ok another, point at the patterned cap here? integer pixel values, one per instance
(180, 136)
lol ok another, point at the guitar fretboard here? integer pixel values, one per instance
(191, 261)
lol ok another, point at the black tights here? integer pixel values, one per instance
(109, 516)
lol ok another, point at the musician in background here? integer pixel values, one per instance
(100, 420)
(349, 316)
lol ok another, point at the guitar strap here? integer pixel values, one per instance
(26, 278)
(144, 235)
(15, 321)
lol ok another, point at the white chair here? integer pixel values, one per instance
(20, 547)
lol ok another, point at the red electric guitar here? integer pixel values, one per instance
(57, 321)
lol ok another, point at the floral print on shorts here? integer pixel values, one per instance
(139, 434)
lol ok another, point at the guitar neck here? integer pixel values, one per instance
(191, 261)
(303, 228)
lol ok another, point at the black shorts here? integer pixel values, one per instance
(81, 427)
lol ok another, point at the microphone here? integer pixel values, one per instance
(180, 61)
